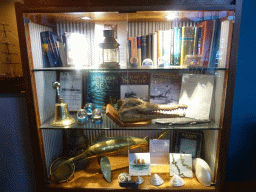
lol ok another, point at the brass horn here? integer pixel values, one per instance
(62, 117)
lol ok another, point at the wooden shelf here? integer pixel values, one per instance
(92, 178)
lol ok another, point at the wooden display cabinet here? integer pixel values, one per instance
(204, 80)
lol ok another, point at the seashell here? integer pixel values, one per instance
(123, 177)
(177, 181)
(202, 171)
(139, 180)
(156, 180)
(105, 168)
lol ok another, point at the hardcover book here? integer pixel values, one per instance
(165, 88)
(177, 45)
(206, 39)
(225, 43)
(143, 48)
(134, 85)
(50, 50)
(139, 41)
(103, 88)
(187, 43)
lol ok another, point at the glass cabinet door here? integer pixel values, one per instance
(122, 95)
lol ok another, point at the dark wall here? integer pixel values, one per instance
(16, 156)
(241, 164)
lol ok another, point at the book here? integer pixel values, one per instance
(49, 54)
(165, 88)
(154, 48)
(139, 50)
(103, 88)
(225, 43)
(134, 85)
(214, 44)
(187, 43)
(166, 47)
(177, 46)
(159, 151)
(206, 39)
(134, 53)
(143, 48)
(159, 47)
(149, 46)
(172, 47)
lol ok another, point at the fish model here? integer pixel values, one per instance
(107, 147)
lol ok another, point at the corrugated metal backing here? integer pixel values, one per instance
(46, 96)
(145, 28)
(53, 146)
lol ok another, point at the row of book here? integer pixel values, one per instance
(210, 40)
(52, 49)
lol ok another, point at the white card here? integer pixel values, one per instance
(139, 164)
(181, 164)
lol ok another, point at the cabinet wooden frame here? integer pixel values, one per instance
(30, 88)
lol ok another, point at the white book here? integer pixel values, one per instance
(225, 43)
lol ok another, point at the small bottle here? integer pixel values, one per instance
(97, 116)
(82, 117)
(89, 107)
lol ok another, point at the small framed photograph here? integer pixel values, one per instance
(188, 143)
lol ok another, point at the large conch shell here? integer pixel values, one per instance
(202, 171)
(177, 181)
(156, 180)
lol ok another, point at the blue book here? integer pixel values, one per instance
(177, 46)
(103, 88)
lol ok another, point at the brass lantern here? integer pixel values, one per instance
(110, 50)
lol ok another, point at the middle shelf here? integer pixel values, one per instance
(108, 124)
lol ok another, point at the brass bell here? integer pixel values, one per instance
(62, 117)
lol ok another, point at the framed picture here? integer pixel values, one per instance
(188, 143)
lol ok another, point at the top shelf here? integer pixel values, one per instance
(122, 68)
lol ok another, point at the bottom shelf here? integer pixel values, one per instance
(92, 178)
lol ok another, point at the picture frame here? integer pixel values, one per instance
(187, 142)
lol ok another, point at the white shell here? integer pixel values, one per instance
(156, 180)
(177, 181)
(202, 171)
(139, 180)
(123, 177)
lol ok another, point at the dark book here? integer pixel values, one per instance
(149, 46)
(103, 88)
(49, 56)
(215, 44)
(206, 39)
(143, 48)
(134, 85)
(139, 39)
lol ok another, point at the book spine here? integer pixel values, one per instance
(187, 43)
(177, 46)
(159, 45)
(134, 53)
(214, 44)
(166, 47)
(139, 49)
(172, 47)
(143, 48)
(55, 38)
(154, 48)
(149, 46)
